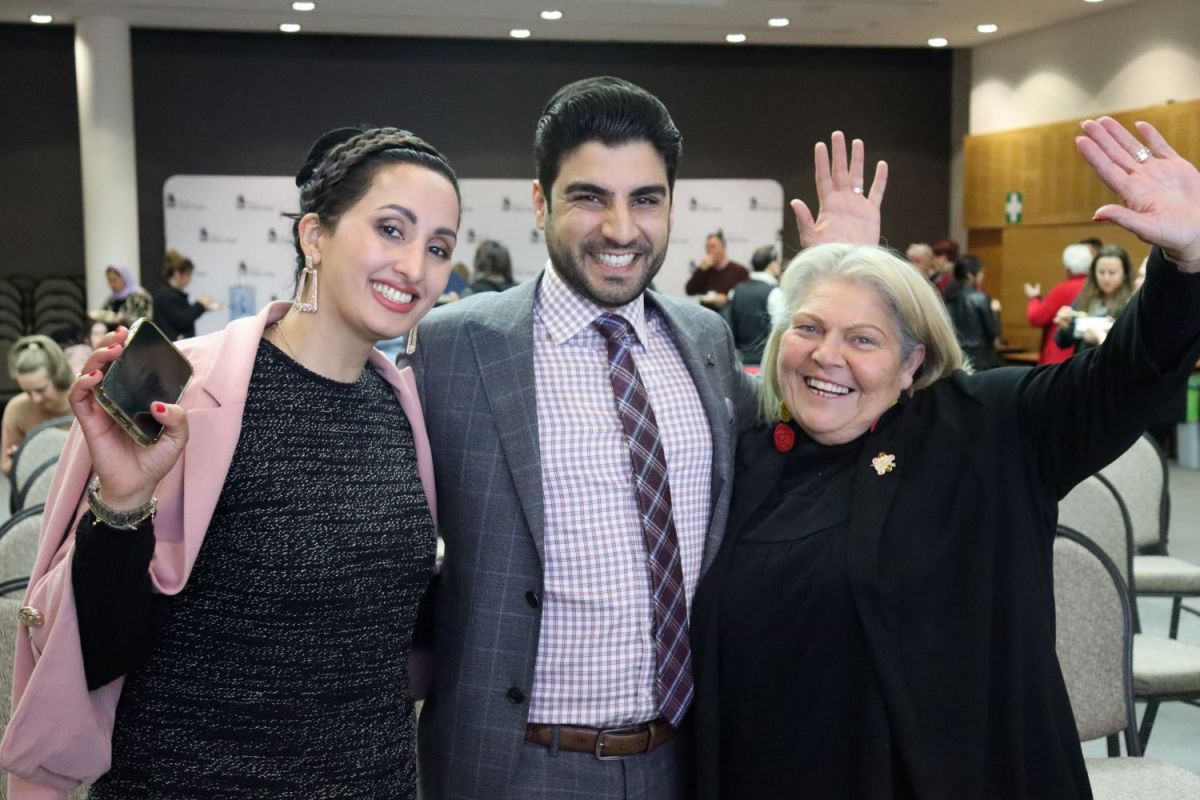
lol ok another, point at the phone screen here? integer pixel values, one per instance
(150, 370)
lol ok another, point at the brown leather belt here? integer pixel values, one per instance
(607, 743)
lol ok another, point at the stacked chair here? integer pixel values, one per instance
(30, 305)
(1139, 476)
(33, 463)
(1163, 668)
(1095, 650)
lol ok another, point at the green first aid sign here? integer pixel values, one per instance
(1014, 208)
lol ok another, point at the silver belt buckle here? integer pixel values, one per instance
(627, 729)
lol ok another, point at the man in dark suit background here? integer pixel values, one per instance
(583, 430)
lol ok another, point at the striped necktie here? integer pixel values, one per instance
(673, 649)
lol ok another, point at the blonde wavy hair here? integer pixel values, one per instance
(917, 312)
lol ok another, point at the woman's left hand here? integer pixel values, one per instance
(1160, 194)
(844, 213)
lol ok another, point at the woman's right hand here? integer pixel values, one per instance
(128, 472)
(1063, 317)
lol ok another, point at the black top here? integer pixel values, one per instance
(746, 313)
(975, 324)
(950, 555)
(280, 668)
(175, 314)
(787, 582)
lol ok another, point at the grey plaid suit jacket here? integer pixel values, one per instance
(474, 370)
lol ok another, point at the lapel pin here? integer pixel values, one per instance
(712, 362)
(883, 463)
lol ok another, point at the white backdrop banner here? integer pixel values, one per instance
(233, 229)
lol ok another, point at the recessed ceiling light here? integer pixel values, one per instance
(551, 15)
(41, 19)
(987, 27)
(1093, 1)
(939, 41)
(735, 38)
(290, 27)
(301, 5)
(779, 22)
(519, 33)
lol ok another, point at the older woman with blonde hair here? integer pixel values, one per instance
(879, 621)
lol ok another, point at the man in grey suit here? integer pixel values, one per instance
(583, 431)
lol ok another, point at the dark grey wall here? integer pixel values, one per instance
(41, 205)
(208, 103)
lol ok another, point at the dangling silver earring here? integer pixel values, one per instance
(410, 342)
(306, 288)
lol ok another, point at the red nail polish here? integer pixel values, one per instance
(159, 407)
(93, 373)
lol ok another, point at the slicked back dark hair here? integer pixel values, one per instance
(608, 110)
(342, 164)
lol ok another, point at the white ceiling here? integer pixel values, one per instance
(887, 23)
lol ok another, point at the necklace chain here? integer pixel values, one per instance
(287, 344)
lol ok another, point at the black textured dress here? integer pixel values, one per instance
(280, 669)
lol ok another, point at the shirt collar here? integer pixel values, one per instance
(770, 280)
(565, 312)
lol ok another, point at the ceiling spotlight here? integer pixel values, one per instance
(519, 33)
(735, 38)
(41, 19)
(987, 27)
(551, 15)
(779, 22)
(289, 27)
(1093, 1)
(301, 5)
(939, 41)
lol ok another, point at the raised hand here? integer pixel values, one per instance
(1159, 190)
(128, 472)
(1032, 290)
(844, 213)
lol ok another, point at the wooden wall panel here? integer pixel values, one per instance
(1058, 186)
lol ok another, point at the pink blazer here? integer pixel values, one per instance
(59, 735)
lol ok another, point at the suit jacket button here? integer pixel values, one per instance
(516, 695)
(533, 599)
(30, 617)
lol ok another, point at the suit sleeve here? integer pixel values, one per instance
(119, 613)
(1086, 411)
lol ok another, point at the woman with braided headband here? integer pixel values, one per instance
(227, 612)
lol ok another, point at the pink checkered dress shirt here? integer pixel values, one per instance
(595, 661)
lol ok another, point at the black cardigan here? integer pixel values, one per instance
(953, 576)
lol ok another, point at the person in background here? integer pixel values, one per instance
(1141, 274)
(973, 313)
(1094, 243)
(236, 621)
(41, 371)
(1101, 300)
(866, 633)
(920, 255)
(493, 268)
(174, 314)
(945, 256)
(128, 301)
(458, 286)
(755, 305)
(1077, 260)
(71, 339)
(715, 274)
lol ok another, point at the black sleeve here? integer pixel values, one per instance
(119, 613)
(1089, 409)
(174, 309)
(1065, 337)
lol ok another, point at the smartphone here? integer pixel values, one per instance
(151, 369)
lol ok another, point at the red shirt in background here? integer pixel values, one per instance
(1041, 311)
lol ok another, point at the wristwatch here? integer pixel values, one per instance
(123, 520)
